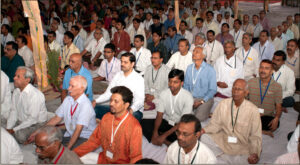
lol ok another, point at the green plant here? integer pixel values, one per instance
(53, 68)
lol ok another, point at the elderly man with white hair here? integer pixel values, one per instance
(199, 41)
(28, 109)
(76, 112)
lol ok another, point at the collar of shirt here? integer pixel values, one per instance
(22, 49)
(139, 51)
(58, 153)
(190, 154)
(27, 89)
(80, 99)
(80, 71)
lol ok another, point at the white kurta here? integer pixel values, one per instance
(27, 56)
(278, 44)
(286, 78)
(96, 46)
(214, 50)
(11, 152)
(238, 37)
(5, 96)
(179, 61)
(143, 59)
(187, 35)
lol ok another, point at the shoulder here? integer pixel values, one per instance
(165, 93)
(173, 146)
(288, 70)
(186, 94)
(253, 81)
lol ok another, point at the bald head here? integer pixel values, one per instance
(242, 82)
(75, 62)
(239, 90)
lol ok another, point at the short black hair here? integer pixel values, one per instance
(160, 54)
(210, 13)
(146, 161)
(188, 118)
(22, 30)
(141, 37)
(122, 22)
(211, 31)
(293, 40)
(267, 61)
(6, 27)
(13, 45)
(173, 28)
(110, 46)
(239, 21)
(200, 19)
(195, 9)
(23, 39)
(184, 40)
(57, 20)
(185, 24)
(157, 32)
(52, 32)
(225, 24)
(281, 54)
(265, 31)
(137, 20)
(127, 95)
(75, 27)
(176, 73)
(70, 35)
(130, 55)
(156, 17)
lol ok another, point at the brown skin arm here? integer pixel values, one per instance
(63, 94)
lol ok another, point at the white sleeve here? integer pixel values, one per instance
(107, 94)
(290, 84)
(11, 152)
(13, 116)
(138, 96)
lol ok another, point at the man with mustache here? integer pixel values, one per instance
(266, 94)
(292, 60)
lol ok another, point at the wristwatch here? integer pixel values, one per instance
(202, 101)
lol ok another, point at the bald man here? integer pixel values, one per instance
(277, 42)
(234, 132)
(76, 68)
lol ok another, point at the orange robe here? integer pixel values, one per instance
(127, 144)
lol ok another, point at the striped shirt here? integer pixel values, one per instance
(272, 97)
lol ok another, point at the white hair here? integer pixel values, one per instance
(82, 81)
(53, 133)
(28, 73)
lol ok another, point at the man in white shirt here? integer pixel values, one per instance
(6, 35)
(129, 78)
(52, 43)
(285, 77)
(214, 48)
(137, 28)
(173, 103)
(59, 36)
(257, 28)
(25, 52)
(28, 111)
(199, 28)
(110, 66)
(76, 112)
(182, 58)
(237, 33)
(226, 8)
(247, 27)
(188, 149)
(278, 44)
(184, 32)
(282, 36)
(229, 20)
(78, 41)
(142, 54)
(264, 48)
(293, 27)
(293, 60)
(5, 97)
(210, 24)
(82, 33)
(11, 152)
(228, 68)
(249, 56)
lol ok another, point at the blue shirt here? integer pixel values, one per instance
(169, 23)
(172, 43)
(78, 42)
(205, 83)
(83, 72)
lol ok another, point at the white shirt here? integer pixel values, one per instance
(6, 39)
(238, 37)
(109, 69)
(27, 56)
(84, 114)
(148, 24)
(28, 107)
(212, 26)
(134, 82)
(204, 155)
(179, 61)
(59, 38)
(55, 46)
(5, 96)
(11, 152)
(257, 29)
(105, 35)
(265, 51)
(83, 34)
(293, 143)
(187, 35)
(228, 71)
(96, 46)
(214, 50)
(250, 60)
(143, 59)
(132, 32)
(230, 22)
(286, 78)
(278, 44)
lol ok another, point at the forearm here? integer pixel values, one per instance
(158, 121)
(278, 111)
(99, 78)
(53, 121)
(63, 94)
(170, 131)
(75, 136)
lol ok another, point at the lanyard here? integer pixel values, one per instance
(60, 154)
(277, 76)
(245, 58)
(293, 64)
(197, 74)
(107, 73)
(230, 65)
(76, 40)
(261, 53)
(193, 156)
(72, 112)
(237, 113)
(255, 28)
(246, 28)
(139, 55)
(235, 39)
(212, 49)
(112, 128)
(173, 103)
(153, 80)
(66, 57)
(263, 97)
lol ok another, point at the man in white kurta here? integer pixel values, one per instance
(278, 44)
(214, 48)
(237, 33)
(185, 33)
(52, 43)
(24, 51)
(5, 96)
(210, 24)
(10, 149)
(264, 48)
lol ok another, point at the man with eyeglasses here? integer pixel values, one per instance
(50, 150)
(187, 149)
(234, 132)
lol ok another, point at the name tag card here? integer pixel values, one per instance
(232, 139)
(261, 110)
(109, 154)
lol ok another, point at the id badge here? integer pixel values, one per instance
(261, 110)
(152, 90)
(232, 139)
(109, 154)
(172, 123)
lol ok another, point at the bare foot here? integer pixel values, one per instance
(284, 110)
(269, 133)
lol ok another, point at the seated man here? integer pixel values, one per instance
(142, 54)
(50, 150)
(68, 49)
(11, 152)
(131, 79)
(173, 103)
(234, 131)
(228, 68)
(76, 68)
(285, 77)
(264, 48)
(156, 80)
(293, 60)
(28, 111)
(200, 80)
(266, 94)
(25, 52)
(5, 97)
(76, 112)
(188, 144)
(118, 133)
(110, 66)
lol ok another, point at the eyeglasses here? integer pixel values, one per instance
(184, 134)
